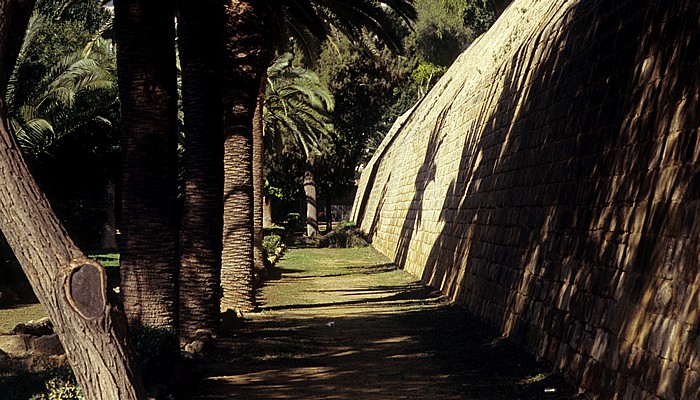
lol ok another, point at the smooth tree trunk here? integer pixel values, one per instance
(148, 97)
(267, 211)
(259, 182)
(89, 322)
(247, 54)
(311, 205)
(200, 27)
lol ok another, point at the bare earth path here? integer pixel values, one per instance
(346, 324)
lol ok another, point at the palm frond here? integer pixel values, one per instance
(309, 21)
(296, 113)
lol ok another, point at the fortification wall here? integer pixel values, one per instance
(550, 183)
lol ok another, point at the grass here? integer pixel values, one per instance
(108, 260)
(315, 275)
(346, 323)
(20, 313)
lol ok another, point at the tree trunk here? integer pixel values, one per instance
(247, 53)
(148, 97)
(310, 193)
(200, 27)
(258, 182)
(267, 211)
(73, 289)
(329, 216)
(108, 239)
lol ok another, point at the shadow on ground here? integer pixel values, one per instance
(367, 334)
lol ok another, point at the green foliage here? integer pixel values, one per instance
(275, 230)
(296, 110)
(62, 103)
(293, 222)
(439, 34)
(479, 15)
(107, 259)
(306, 24)
(72, 91)
(47, 383)
(346, 235)
(426, 74)
(270, 244)
(60, 389)
(91, 13)
(370, 93)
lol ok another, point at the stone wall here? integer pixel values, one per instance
(550, 183)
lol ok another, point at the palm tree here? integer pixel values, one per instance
(253, 29)
(202, 219)
(49, 108)
(148, 97)
(246, 56)
(296, 118)
(89, 323)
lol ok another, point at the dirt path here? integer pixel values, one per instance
(345, 324)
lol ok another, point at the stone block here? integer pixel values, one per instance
(47, 345)
(16, 346)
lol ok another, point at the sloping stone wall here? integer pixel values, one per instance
(550, 183)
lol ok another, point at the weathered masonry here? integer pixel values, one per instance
(550, 183)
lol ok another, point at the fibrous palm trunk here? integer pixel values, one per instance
(148, 97)
(89, 323)
(258, 183)
(200, 27)
(247, 53)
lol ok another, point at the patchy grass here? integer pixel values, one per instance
(20, 313)
(346, 323)
(108, 260)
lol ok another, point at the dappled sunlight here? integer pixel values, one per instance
(569, 215)
(379, 335)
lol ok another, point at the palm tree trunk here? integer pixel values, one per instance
(258, 182)
(200, 28)
(247, 53)
(311, 207)
(72, 288)
(148, 96)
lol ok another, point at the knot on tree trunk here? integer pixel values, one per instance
(86, 288)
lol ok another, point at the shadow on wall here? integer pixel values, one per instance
(573, 222)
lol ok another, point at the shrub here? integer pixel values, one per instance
(346, 235)
(60, 389)
(60, 384)
(270, 244)
(293, 222)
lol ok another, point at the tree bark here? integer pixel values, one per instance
(247, 54)
(311, 207)
(267, 211)
(73, 289)
(200, 26)
(258, 182)
(148, 97)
